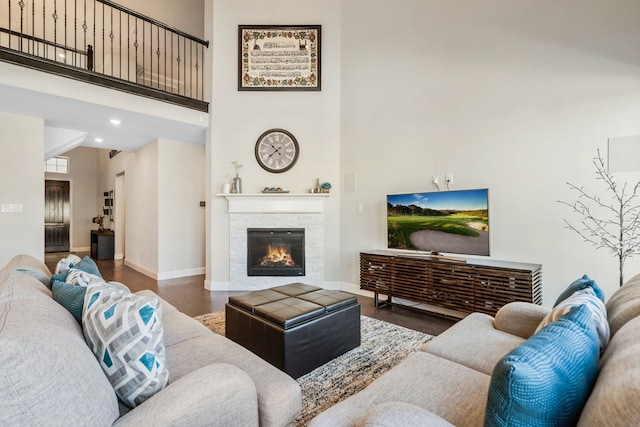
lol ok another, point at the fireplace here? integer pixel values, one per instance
(275, 252)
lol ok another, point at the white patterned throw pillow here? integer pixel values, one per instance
(66, 263)
(125, 333)
(596, 307)
(81, 278)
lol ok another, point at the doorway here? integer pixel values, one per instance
(56, 216)
(119, 217)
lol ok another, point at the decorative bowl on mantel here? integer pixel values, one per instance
(276, 190)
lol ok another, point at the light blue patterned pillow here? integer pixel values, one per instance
(70, 297)
(125, 333)
(89, 266)
(546, 381)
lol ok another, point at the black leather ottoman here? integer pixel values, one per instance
(295, 327)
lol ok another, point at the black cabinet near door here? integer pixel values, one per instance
(102, 244)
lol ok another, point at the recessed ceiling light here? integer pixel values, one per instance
(115, 122)
(98, 139)
(61, 55)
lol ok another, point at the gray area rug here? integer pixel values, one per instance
(383, 345)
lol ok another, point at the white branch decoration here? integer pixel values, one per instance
(619, 230)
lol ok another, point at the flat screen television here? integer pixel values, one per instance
(454, 222)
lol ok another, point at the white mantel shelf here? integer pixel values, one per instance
(275, 202)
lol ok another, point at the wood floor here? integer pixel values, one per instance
(189, 296)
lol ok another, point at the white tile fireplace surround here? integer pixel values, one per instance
(300, 210)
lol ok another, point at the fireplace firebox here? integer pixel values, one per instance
(275, 252)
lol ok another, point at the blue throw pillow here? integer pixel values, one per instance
(577, 285)
(88, 266)
(70, 297)
(61, 277)
(546, 381)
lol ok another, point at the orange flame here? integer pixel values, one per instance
(277, 256)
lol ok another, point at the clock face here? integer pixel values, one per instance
(277, 150)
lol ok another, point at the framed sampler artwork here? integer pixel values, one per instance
(279, 57)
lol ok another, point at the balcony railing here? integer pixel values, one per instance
(106, 44)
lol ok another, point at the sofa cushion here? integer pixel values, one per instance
(447, 389)
(615, 396)
(393, 414)
(31, 266)
(588, 298)
(124, 331)
(576, 285)
(48, 375)
(473, 342)
(624, 304)
(520, 318)
(279, 397)
(546, 380)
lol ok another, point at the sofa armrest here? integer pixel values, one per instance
(391, 414)
(520, 318)
(215, 395)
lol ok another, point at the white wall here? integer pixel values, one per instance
(504, 94)
(238, 118)
(22, 184)
(164, 184)
(184, 15)
(83, 187)
(181, 220)
(142, 210)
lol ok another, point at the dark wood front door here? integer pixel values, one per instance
(56, 216)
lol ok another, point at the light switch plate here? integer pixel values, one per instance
(11, 208)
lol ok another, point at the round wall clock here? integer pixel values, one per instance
(277, 150)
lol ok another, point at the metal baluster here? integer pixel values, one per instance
(95, 43)
(128, 47)
(75, 32)
(55, 31)
(158, 53)
(111, 37)
(33, 27)
(144, 37)
(136, 46)
(9, 17)
(120, 42)
(165, 60)
(184, 65)
(44, 29)
(65, 31)
(171, 62)
(178, 59)
(84, 30)
(21, 4)
(103, 47)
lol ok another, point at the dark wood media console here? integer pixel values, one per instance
(466, 286)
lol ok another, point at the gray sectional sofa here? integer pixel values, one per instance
(448, 382)
(48, 375)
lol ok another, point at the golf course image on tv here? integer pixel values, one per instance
(440, 222)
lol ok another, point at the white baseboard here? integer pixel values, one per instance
(80, 249)
(167, 274)
(181, 273)
(141, 269)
